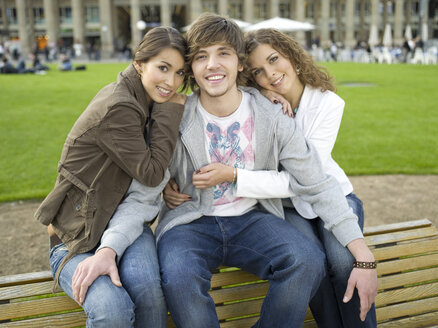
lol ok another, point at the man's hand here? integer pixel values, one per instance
(365, 280)
(172, 196)
(212, 175)
(101, 263)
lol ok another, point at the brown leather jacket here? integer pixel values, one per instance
(105, 149)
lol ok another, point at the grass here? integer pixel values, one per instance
(387, 128)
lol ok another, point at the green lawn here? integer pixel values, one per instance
(387, 128)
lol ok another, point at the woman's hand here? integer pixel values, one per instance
(212, 175)
(178, 98)
(277, 98)
(365, 280)
(172, 196)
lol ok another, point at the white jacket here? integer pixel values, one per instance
(319, 117)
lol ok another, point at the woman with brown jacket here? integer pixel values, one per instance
(128, 131)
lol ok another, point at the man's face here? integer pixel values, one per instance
(215, 70)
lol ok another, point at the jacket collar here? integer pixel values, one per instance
(130, 73)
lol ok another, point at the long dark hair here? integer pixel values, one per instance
(160, 38)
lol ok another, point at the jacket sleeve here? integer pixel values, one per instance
(323, 135)
(263, 184)
(141, 205)
(121, 136)
(310, 183)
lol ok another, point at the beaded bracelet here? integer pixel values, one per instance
(364, 265)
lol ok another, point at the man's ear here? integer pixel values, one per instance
(240, 68)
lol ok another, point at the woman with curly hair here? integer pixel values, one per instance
(282, 70)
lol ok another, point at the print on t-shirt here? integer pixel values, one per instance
(231, 145)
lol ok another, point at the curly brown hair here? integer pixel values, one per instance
(310, 73)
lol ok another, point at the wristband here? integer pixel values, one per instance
(364, 265)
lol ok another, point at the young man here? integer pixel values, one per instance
(224, 123)
(239, 127)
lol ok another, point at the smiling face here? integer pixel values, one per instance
(162, 74)
(272, 71)
(215, 70)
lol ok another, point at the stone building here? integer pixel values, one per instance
(114, 23)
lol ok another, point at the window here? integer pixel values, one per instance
(284, 9)
(11, 15)
(209, 6)
(235, 10)
(260, 10)
(92, 14)
(65, 16)
(38, 15)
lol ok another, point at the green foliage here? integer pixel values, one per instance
(386, 128)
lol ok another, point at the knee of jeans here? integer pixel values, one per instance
(150, 295)
(311, 261)
(339, 268)
(110, 312)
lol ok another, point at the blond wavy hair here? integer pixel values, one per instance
(309, 72)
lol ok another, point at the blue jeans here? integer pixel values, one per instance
(327, 306)
(257, 242)
(139, 303)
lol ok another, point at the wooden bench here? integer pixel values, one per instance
(408, 287)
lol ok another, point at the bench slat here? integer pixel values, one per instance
(239, 292)
(241, 323)
(402, 250)
(406, 294)
(407, 308)
(400, 236)
(392, 227)
(38, 306)
(407, 278)
(20, 291)
(65, 320)
(407, 264)
(231, 278)
(25, 278)
(238, 309)
(422, 320)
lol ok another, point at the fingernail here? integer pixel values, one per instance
(275, 101)
(345, 299)
(198, 171)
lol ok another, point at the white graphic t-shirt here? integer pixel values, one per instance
(230, 140)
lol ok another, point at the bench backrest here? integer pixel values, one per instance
(407, 275)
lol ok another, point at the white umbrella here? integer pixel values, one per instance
(408, 32)
(239, 23)
(387, 36)
(424, 32)
(281, 24)
(373, 40)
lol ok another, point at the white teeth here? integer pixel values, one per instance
(163, 90)
(278, 80)
(216, 77)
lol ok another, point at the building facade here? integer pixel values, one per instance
(113, 24)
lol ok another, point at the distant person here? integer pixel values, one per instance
(65, 63)
(7, 67)
(129, 130)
